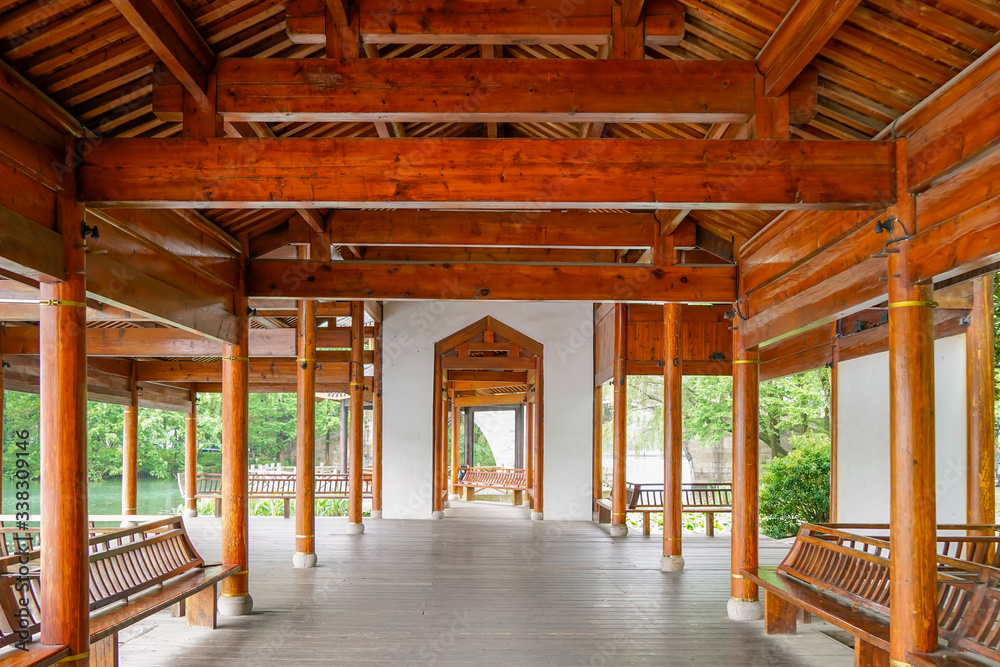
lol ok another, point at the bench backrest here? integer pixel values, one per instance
(498, 477)
(857, 567)
(123, 563)
(709, 495)
(280, 485)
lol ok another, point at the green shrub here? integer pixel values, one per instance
(795, 489)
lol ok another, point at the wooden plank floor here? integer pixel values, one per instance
(486, 586)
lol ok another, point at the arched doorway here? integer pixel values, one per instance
(488, 365)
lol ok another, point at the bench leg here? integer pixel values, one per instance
(218, 507)
(779, 616)
(470, 494)
(710, 524)
(603, 514)
(869, 655)
(645, 524)
(518, 497)
(179, 609)
(104, 653)
(202, 607)
(287, 506)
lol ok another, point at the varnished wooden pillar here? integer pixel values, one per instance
(377, 426)
(236, 599)
(598, 462)
(442, 481)
(437, 398)
(673, 440)
(834, 416)
(191, 458)
(913, 615)
(529, 454)
(130, 453)
(345, 429)
(1, 431)
(65, 600)
(456, 445)
(537, 507)
(982, 452)
(305, 439)
(356, 462)
(618, 527)
(743, 603)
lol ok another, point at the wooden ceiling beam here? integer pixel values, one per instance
(806, 28)
(29, 249)
(211, 371)
(173, 38)
(475, 90)
(514, 282)
(528, 229)
(499, 399)
(477, 22)
(477, 173)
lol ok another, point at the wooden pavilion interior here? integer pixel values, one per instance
(228, 196)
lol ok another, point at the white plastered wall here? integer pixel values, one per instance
(863, 435)
(410, 329)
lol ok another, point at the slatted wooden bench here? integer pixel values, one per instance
(698, 498)
(134, 573)
(844, 578)
(504, 479)
(278, 485)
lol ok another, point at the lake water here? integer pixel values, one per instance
(156, 496)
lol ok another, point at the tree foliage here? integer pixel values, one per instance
(795, 489)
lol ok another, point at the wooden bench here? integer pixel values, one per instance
(134, 573)
(844, 578)
(278, 485)
(699, 498)
(505, 479)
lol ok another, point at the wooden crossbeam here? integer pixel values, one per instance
(515, 282)
(29, 249)
(529, 229)
(476, 90)
(485, 22)
(165, 27)
(807, 26)
(486, 173)
(499, 399)
(260, 371)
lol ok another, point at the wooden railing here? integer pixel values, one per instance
(485, 477)
(279, 485)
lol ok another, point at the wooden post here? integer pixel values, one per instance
(673, 440)
(442, 481)
(618, 527)
(130, 453)
(354, 520)
(743, 603)
(834, 415)
(65, 601)
(537, 507)
(455, 446)
(437, 503)
(236, 599)
(598, 479)
(191, 458)
(344, 430)
(529, 454)
(1, 431)
(982, 451)
(377, 426)
(305, 439)
(913, 615)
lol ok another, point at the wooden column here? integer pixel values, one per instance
(345, 429)
(598, 479)
(537, 507)
(529, 457)
(63, 387)
(354, 520)
(618, 527)
(191, 458)
(744, 604)
(442, 481)
(982, 452)
(236, 599)
(377, 426)
(305, 439)
(913, 615)
(456, 444)
(834, 412)
(1, 431)
(673, 440)
(130, 453)
(437, 398)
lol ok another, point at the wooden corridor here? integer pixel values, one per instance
(486, 586)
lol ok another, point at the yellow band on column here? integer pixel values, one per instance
(305, 537)
(63, 304)
(914, 304)
(235, 595)
(899, 663)
(672, 539)
(738, 576)
(235, 358)
(78, 656)
(746, 361)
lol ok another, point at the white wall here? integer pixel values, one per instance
(863, 435)
(410, 329)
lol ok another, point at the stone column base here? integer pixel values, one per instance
(538, 516)
(672, 563)
(744, 610)
(620, 530)
(437, 514)
(355, 528)
(376, 514)
(235, 605)
(303, 561)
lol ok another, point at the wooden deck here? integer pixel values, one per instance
(486, 586)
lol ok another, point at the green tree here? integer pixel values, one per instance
(795, 489)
